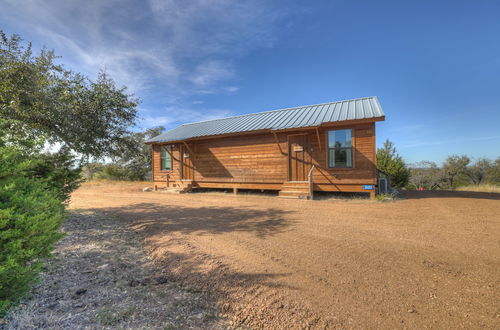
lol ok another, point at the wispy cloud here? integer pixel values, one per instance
(168, 49)
(170, 116)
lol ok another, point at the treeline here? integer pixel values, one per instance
(42, 103)
(456, 171)
(132, 164)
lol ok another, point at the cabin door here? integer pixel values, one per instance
(299, 157)
(187, 164)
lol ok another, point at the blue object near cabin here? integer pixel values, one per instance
(368, 187)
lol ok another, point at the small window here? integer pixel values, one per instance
(166, 159)
(340, 148)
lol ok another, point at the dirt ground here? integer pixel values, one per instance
(101, 278)
(431, 259)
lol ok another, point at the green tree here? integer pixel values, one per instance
(41, 102)
(133, 163)
(41, 98)
(455, 170)
(493, 175)
(31, 210)
(137, 158)
(390, 162)
(478, 171)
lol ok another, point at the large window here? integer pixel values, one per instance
(340, 148)
(166, 159)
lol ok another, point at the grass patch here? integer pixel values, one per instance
(99, 182)
(108, 316)
(385, 197)
(488, 188)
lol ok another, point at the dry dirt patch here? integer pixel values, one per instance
(101, 278)
(430, 260)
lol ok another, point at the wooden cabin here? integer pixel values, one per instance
(296, 151)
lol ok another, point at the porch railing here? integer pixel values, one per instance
(310, 181)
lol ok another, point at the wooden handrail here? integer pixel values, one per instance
(310, 181)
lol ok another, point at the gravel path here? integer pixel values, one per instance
(101, 278)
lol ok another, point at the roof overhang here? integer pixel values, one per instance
(276, 131)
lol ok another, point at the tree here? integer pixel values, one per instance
(493, 173)
(31, 210)
(455, 167)
(390, 162)
(42, 102)
(41, 98)
(134, 162)
(426, 174)
(478, 171)
(137, 157)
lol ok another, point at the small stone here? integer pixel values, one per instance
(411, 310)
(133, 283)
(80, 291)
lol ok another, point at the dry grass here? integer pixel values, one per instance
(488, 188)
(101, 278)
(99, 182)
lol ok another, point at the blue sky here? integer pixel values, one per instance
(434, 65)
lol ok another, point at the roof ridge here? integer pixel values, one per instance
(277, 110)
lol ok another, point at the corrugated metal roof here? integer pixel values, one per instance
(305, 116)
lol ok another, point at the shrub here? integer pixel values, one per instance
(31, 210)
(391, 163)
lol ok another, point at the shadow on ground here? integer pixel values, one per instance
(247, 298)
(153, 217)
(413, 194)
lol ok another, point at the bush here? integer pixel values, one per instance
(391, 163)
(33, 190)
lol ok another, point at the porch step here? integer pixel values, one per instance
(180, 187)
(294, 194)
(295, 186)
(174, 190)
(296, 183)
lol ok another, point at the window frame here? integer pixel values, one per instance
(162, 152)
(351, 148)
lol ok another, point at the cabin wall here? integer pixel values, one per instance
(251, 158)
(159, 176)
(256, 159)
(364, 170)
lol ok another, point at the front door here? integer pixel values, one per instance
(299, 157)
(187, 164)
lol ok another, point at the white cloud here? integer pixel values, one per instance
(209, 72)
(170, 116)
(169, 50)
(169, 40)
(231, 89)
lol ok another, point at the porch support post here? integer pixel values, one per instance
(278, 142)
(189, 149)
(319, 139)
(169, 152)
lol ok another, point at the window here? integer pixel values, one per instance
(166, 159)
(340, 148)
